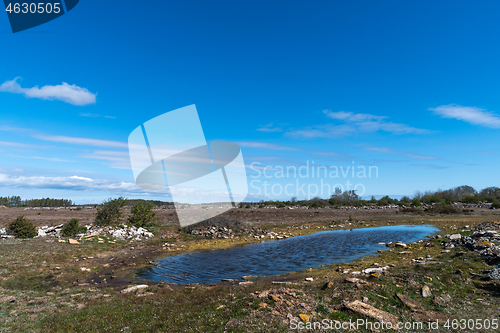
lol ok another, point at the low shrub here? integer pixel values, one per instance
(142, 215)
(21, 227)
(109, 213)
(72, 228)
(443, 209)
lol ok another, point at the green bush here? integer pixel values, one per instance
(142, 215)
(21, 227)
(71, 229)
(109, 214)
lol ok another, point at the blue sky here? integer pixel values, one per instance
(408, 87)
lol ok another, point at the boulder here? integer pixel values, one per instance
(455, 237)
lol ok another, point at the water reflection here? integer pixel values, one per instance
(278, 257)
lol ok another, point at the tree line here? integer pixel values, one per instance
(16, 201)
(462, 194)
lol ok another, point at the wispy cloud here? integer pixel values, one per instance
(95, 115)
(52, 159)
(273, 146)
(270, 128)
(66, 139)
(471, 114)
(265, 145)
(351, 123)
(429, 166)
(67, 93)
(386, 150)
(21, 145)
(82, 141)
(115, 159)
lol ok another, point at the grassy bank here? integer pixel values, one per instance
(52, 293)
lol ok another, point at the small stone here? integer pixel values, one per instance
(304, 317)
(426, 292)
(455, 236)
(309, 279)
(262, 304)
(134, 288)
(327, 285)
(73, 241)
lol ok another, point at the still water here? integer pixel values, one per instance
(281, 256)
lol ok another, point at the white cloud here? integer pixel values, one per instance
(353, 117)
(265, 145)
(429, 166)
(115, 159)
(269, 128)
(471, 114)
(21, 145)
(386, 150)
(68, 183)
(354, 123)
(67, 93)
(95, 115)
(82, 141)
(52, 159)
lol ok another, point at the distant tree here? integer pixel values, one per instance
(495, 204)
(293, 200)
(405, 200)
(471, 199)
(416, 202)
(142, 215)
(347, 197)
(333, 201)
(109, 214)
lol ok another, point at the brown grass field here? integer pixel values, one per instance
(43, 289)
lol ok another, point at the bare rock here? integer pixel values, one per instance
(8, 299)
(134, 288)
(371, 312)
(409, 302)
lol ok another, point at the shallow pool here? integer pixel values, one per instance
(281, 256)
